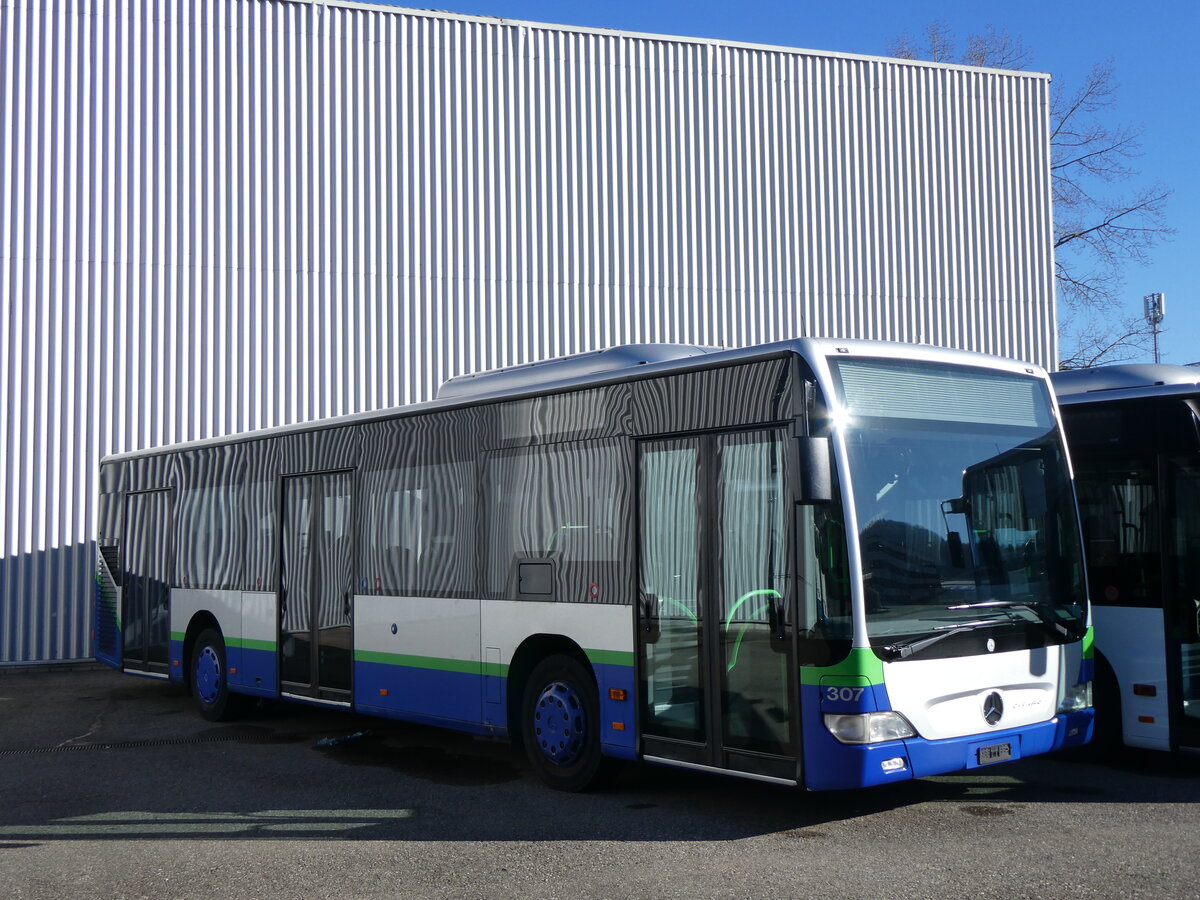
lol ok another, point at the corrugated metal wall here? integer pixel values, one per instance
(227, 215)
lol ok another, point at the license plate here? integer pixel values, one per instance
(994, 753)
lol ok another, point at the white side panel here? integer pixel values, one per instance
(506, 623)
(943, 698)
(1134, 643)
(226, 606)
(260, 617)
(441, 628)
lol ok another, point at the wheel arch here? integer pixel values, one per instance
(528, 654)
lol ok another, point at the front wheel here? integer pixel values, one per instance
(560, 724)
(210, 684)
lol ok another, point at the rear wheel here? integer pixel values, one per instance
(210, 684)
(560, 724)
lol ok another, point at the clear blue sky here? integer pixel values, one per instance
(1154, 47)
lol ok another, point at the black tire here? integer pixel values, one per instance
(560, 725)
(208, 677)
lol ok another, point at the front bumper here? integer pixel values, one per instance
(830, 765)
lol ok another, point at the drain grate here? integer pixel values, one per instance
(239, 737)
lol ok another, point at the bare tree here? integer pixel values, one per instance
(1096, 343)
(994, 48)
(1098, 230)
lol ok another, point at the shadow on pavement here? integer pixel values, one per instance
(144, 767)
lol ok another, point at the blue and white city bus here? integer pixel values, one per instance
(1134, 437)
(818, 563)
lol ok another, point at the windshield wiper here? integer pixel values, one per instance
(905, 649)
(1018, 604)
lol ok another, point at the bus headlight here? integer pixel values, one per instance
(869, 728)
(1077, 698)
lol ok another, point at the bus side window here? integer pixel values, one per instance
(419, 527)
(209, 546)
(567, 505)
(1118, 507)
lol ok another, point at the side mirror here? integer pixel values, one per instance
(815, 468)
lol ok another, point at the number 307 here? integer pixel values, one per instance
(845, 694)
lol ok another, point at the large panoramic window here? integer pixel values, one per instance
(963, 499)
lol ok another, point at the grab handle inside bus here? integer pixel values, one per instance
(651, 629)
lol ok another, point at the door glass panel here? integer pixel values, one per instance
(754, 626)
(146, 625)
(158, 611)
(1184, 569)
(332, 581)
(133, 624)
(672, 616)
(295, 582)
(1119, 518)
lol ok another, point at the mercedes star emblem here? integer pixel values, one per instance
(993, 707)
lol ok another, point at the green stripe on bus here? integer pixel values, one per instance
(843, 681)
(610, 657)
(232, 642)
(495, 670)
(251, 644)
(862, 663)
(1089, 640)
(467, 666)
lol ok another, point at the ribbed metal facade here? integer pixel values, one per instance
(228, 215)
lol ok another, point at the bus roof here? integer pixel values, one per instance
(1123, 382)
(579, 366)
(627, 362)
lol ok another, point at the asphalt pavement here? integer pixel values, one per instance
(112, 786)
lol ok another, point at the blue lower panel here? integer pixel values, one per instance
(455, 700)
(831, 765)
(112, 659)
(256, 672)
(617, 717)
(433, 693)
(250, 671)
(956, 754)
(175, 661)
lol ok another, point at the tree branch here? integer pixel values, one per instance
(1097, 232)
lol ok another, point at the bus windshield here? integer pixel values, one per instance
(964, 504)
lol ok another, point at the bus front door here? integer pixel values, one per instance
(716, 673)
(315, 652)
(1183, 575)
(145, 619)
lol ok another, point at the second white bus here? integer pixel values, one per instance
(1134, 437)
